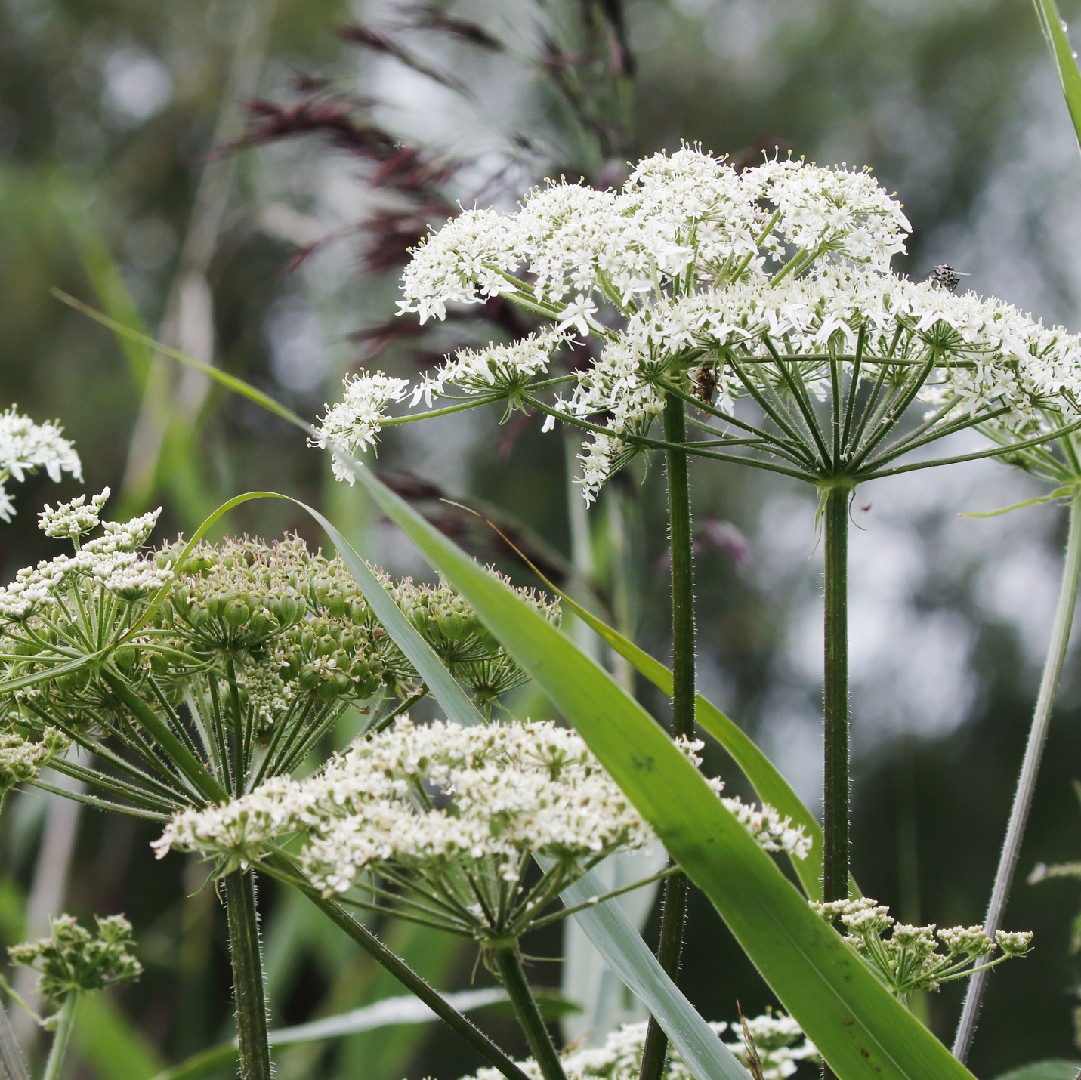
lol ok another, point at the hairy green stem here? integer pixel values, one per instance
(674, 900)
(246, 958)
(508, 966)
(1026, 781)
(65, 1021)
(401, 971)
(835, 776)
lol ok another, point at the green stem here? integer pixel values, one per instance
(835, 778)
(65, 1021)
(246, 957)
(1026, 782)
(508, 966)
(674, 900)
(401, 971)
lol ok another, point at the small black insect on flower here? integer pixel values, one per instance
(945, 277)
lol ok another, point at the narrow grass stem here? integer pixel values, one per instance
(1026, 782)
(835, 778)
(65, 1021)
(11, 1057)
(246, 958)
(507, 962)
(674, 901)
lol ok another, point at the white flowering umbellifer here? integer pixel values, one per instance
(451, 814)
(774, 281)
(26, 447)
(353, 423)
(909, 958)
(778, 1040)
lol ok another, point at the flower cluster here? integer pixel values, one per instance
(778, 1041)
(73, 960)
(908, 958)
(453, 812)
(21, 759)
(26, 447)
(246, 652)
(107, 564)
(767, 279)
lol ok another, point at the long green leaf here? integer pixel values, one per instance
(771, 786)
(109, 1043)
(1054, 30)
(859, 1028)
(607, 927)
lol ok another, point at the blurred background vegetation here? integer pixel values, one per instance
(242, 181)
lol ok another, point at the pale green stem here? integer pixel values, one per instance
(65, 1021)
(1026, 782)
(245, 955)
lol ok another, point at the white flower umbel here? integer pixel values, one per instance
(107, 564)
(908, 958)
(450, 814)
(771, 286)
(26, 447)
(778, 1041)
(352, 424)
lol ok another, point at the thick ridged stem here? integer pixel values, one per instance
(246, 957)
(1030, 764)
(835, 771)
(674, 901)
(508, 966)
(835, 762)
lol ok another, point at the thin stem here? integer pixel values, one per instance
(508, 966)
(246, 958)
(995, 451)
(401, 971)
(835, 778)
(65, 1021)
(674, 901)
(790, 373)
(1026, 783)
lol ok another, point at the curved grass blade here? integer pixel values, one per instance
(770, 785)
(386, 1013)
(1054, 30)
(861, 1030)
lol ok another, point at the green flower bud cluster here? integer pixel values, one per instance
(908, 958)
(234, 597)
(464, 644)
(236, 658)
(74, 960)
(20, 759)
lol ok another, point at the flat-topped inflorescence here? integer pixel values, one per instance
(771, 286)
(225, 661)
(451, 816)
